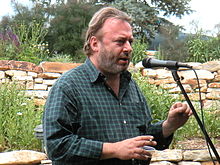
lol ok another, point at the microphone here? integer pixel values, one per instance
(151, 63)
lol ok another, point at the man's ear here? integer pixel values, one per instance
(94, 44)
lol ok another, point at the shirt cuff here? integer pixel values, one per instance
(91, 148)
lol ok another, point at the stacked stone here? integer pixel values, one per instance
(209, 79)
(38, 80)
(165, 157)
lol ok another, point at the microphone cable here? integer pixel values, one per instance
(202, 114)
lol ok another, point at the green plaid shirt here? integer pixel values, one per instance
(82, 113)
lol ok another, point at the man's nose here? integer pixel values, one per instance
(128, 47)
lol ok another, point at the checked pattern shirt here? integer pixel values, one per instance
(82, 112)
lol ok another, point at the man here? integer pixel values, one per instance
(95, 114)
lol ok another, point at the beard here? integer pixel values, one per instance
(109, 62)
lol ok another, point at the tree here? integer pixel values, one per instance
(67, 27)
(146, 19)
(173, 44)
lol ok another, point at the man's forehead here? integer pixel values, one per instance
(114, 25)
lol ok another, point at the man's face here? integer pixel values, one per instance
(115, 49)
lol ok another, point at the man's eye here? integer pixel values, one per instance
(130, 41)
(121, 41)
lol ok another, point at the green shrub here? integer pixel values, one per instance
(158, 99)
(65, 58)
(139, 49)
(191, 129)
(202, 48)
(24, 43)
(18, 119)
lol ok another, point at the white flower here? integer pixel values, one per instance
(19, 113)
(23, 104)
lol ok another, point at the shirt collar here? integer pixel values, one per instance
(96, 76)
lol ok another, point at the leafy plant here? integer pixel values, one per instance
(159, 101)
(18, 119)
(202, 48)
(24, 43)
(139, 51)
(65, 58)
(212, 122)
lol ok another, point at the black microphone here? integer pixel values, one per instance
(150, 63)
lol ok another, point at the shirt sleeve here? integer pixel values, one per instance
(156, 131)
(60, 124)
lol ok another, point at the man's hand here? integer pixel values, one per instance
(128, 149)
(178, 115)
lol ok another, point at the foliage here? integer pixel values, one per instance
(172, 47)
(24, 43)
(202, 48)
(191, 128)
(65, 58)
(18, 119)
(139, 49)
(67, 27)
(158, 99)
(146, 15)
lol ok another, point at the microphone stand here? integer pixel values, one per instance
(177, 79)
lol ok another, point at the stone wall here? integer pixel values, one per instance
(39, 80)
(166, 157)
(209, 79)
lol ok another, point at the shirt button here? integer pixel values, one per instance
(124, 121)
(120, 103)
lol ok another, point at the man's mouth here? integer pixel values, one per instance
(123, 60)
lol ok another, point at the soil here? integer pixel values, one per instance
(196, 143)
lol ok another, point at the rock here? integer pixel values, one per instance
(2, 74)
(49, 82)
(15, 73)
(197, 155)
(194, 82)
(202, 74)
(39, 102)
(217, 77)
(209, 163)
(19, 65)
(150, 73)
(214, 85)
(194, 96)
(38, 80)
(162, 163)
(163, 74)
(186, 87)
(164, 81)
(47, 75)
(211, 66)
(37, 94)
(167, 155)
(213, 95)
(58, 67)
(21, 157)
(33, 74)
(189, 163)
(40, 87)
(22, 78)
